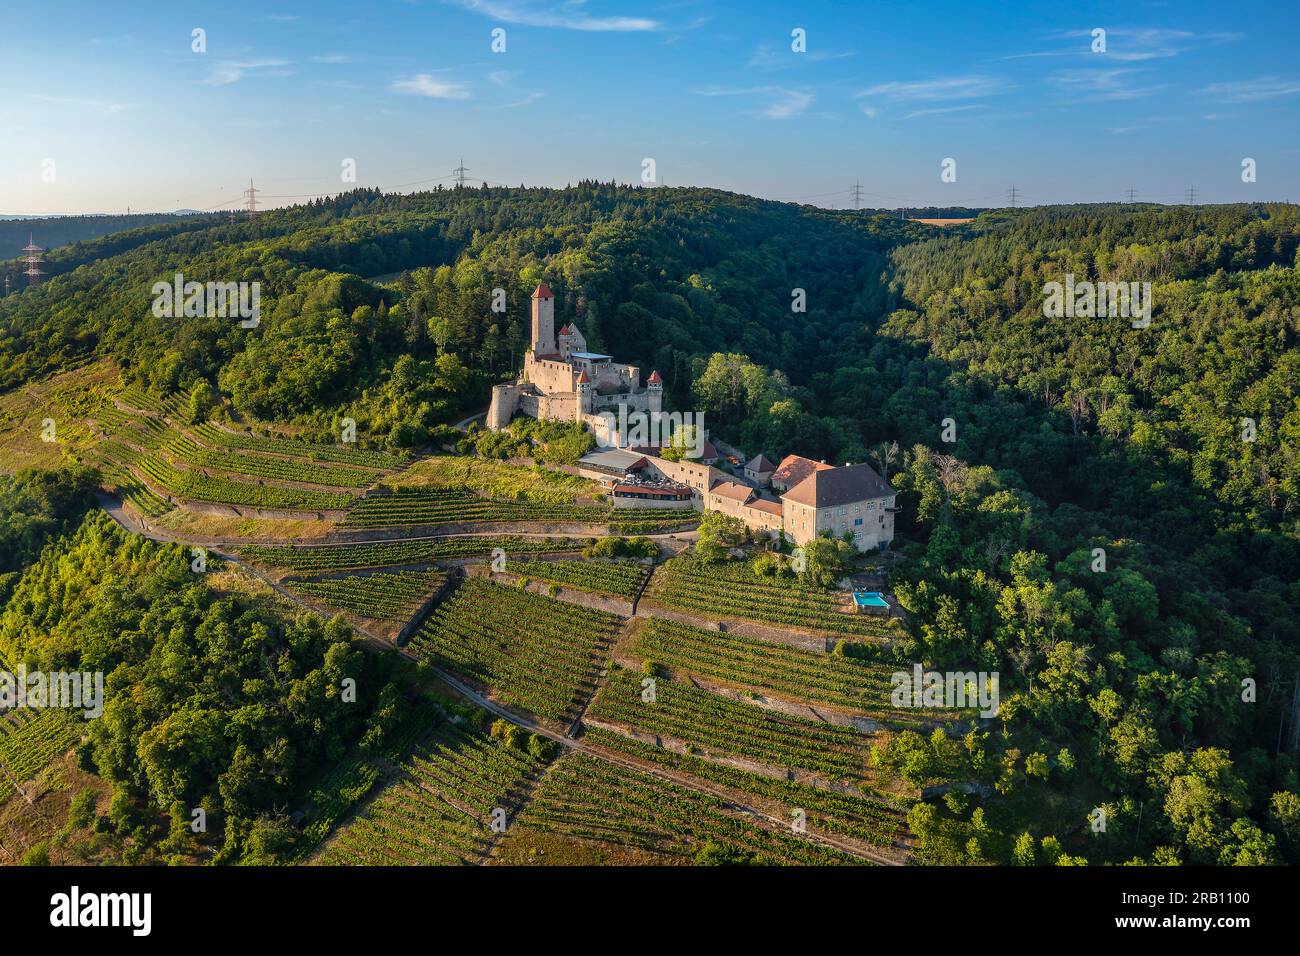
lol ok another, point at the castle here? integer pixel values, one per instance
(562, 381)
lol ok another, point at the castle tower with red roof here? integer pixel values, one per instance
(544, 322)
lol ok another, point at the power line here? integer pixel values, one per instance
(459, 172)
(1130, 195)
(1191, 195)
(1014, 193)
(857, 194)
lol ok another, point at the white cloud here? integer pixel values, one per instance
(100, 105)
(782, 103)
(566, 16)
(1252, 91)
(948, 88)
(783, 59)
(1103, 85)
(944, 109)
(1131, 45)
(332, 58)
(424, 84)
(232, 71)
(502, 77)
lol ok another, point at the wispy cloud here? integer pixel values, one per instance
(527, 99)
(782, 103)
(1131, 44)
(767, 58)
(425, 84)
(945, 109)
(502, 77)
(332, 58)
(569, 15)
(100, 105)
(946, 88)
(952, 90)
(1102, 85)
(1252, 91)
(225, 72)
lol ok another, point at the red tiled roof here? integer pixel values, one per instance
(654, 378)
(833, 487)
(733, 490)
(794, 469)
(564, 330)
(767, 505)
(583, 379)
(543, 291)
(759, 464)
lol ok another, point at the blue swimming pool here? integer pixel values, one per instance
(869, 599)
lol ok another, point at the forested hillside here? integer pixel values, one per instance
(1106, 515)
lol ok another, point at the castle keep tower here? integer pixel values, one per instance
(544, 322)
(654, 387)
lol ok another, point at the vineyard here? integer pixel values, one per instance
(685, 584)
(879, 822)
(584, 798)
(534, 653)
(720, 727)
(30, 739)
(355, 457)
(439, 809)
(790, 672)
(382, 596)
(610, 577)
(407, 507)
(180, 448)
(346, 557)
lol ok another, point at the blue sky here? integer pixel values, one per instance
(113, 94)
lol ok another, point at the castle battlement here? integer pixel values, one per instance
(562, 381)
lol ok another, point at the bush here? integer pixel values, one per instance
(39, 855)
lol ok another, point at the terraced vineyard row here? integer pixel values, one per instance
(621, 577)
(344, 557)
(30, 739)
(439, 505)
(356, 457)
(585, 798)
(862, 818)
(194, 485)
(386, 597)
(439, 810)
(261, 466)
(723, 727)
(534, 653)
(791, 672)
(682, 583)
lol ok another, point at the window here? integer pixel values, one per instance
(857, 521)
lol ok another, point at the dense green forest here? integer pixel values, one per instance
(1104, 529)
(212, 701)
